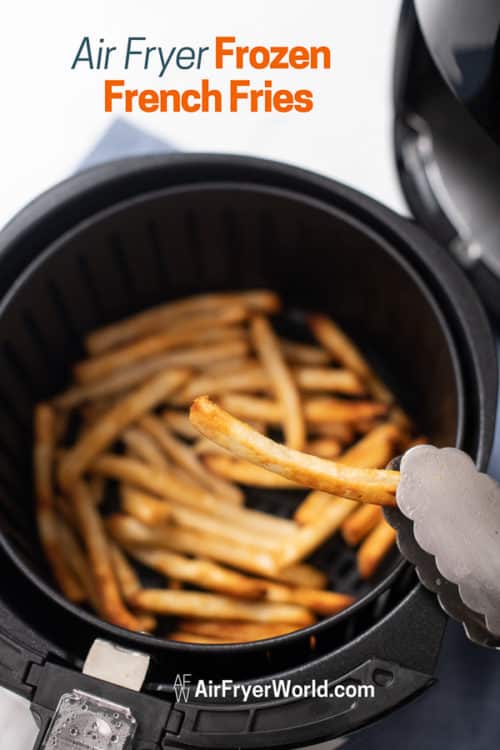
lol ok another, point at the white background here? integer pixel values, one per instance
(51, 116)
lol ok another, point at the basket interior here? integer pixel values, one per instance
(178, 242)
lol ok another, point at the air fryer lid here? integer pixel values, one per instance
(463, 39)
(446, 109)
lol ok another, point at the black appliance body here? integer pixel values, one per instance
(447, 130)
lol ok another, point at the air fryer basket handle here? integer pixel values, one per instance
(396, 658)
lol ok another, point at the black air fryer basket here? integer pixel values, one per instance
(133, 233)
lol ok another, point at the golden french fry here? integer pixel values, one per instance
(329, 379)
(150, 511)
(96, 544)
(282, 381)
(131, 533)
(374, 548)
(250, 378)
(365, 485)
(235, 631)
(164, 483)
(157, 318)
(347, 353)
(302, 543)
(202, 573)
(123, 380)
(178, 421)
(330, 409)
(78, 562)
(316, 410)
(44, 427)
(185, 457)
(146, 508)
(127, 578)
(304, 354)
(360, 523)
(195, 604)
(207, 328)
(324, 447)
(321, 602)
(105, 431)
(340, 431)
(312, 506)
(226, 366)
(97, 487)
(143, 446)
(374, 451)
(247, 473)
(61, 421)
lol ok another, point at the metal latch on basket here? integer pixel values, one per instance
(87, 722)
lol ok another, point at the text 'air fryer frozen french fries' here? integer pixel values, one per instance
(121, 433)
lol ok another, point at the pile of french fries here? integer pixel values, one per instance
(230, 573)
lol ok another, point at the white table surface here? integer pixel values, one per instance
(51, 116)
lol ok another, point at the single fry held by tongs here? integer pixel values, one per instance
(365, 485)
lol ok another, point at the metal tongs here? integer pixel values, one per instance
(448, 525)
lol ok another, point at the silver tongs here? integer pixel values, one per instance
(448, 525)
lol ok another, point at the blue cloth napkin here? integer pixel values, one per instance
(461, 711)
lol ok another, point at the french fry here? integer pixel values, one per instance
(312, 507)
(94, 538)
(374, 451)
(304, 354)
(178, 421)
(282, 381)
(129, 584)
(329, 379)
(105, 431)
(78, 563)
(246, 473)
(164, 483)
(226, 366)
(44, 428)
(238, 632)
(126, 576)
(359, 524)
(250, 378)
(150, 511)
(316, 410)
(143, 446)
(146, 508)
(340, 431)
(205, 329)
(123, 380)
(214, 606)
(131, 533)
(185, 457)
(309, 537)
(157, 318)
(247, 557)
(324, 447)
(330, 409)
(321, 602)
(365, 485)
(347, 353)
(374, 548)
(202, 573)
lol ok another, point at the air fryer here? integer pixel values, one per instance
(129, 234)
